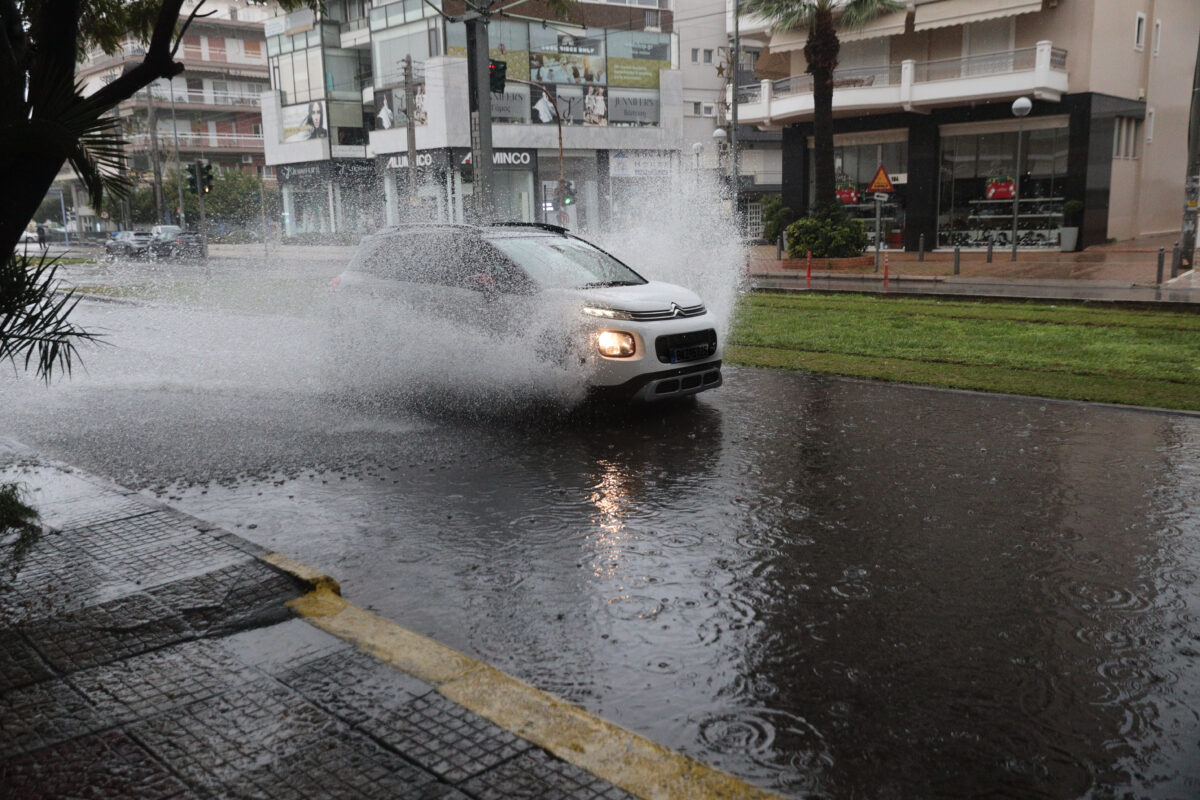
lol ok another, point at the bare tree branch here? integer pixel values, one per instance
(186, 24)
(158, 62)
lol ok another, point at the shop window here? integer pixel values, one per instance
(980, 178)
(1139, 32)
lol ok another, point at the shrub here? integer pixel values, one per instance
(828, 233)
(1072, 213)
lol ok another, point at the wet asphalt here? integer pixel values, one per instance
(832, 588)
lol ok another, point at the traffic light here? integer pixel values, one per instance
(568, 195)
(192, 185)
(496, 72)
(206, 178)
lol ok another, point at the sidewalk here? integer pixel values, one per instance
(146, 654)
(1120, 272)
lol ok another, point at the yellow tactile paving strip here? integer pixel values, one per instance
(636, 764)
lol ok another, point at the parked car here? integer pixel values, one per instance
(178, 244)
(128, 244)
(538, 286)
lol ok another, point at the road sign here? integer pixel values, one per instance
(881, 197)
(881, 182)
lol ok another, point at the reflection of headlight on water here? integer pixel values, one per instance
(616, 344)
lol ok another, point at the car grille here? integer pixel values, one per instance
(674, 312)
(680, 348)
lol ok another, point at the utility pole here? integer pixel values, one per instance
(480, 98)
(733, 127)
(409, 102)
(156, 168)
(178, 167)
(1191, 192)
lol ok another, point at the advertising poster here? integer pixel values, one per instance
(543, 106)
(633, 108)
(636, 57)
(389, 108)
(578, 105)
(568, 59)
(303, 122)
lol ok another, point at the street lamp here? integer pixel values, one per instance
(698, 148)
(1020, 109)
(718, 136)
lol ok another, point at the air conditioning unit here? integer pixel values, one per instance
(247, 159)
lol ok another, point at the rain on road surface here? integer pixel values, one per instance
(832, 588)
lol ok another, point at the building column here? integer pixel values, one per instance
(333, 228)
(390, 208)
(921, 192)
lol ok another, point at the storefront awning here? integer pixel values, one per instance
(944, 13)
(885, 25)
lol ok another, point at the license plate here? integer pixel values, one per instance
(681, 354)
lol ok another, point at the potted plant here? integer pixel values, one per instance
(1069, 233)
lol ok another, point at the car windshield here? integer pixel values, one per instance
(565, 262)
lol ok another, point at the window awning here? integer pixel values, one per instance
(883, 25)
(944, 13)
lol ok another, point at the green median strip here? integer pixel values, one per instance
(1147, 358)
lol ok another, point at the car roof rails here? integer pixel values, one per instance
(546, 226)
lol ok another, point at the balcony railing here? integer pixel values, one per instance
(201, 97)
(1040, 71)
(201, 141)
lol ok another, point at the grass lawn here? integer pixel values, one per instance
(1075, 352)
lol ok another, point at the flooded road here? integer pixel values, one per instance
(832, 588)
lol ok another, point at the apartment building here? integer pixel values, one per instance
(336, 119)
(211, 111)
(927, 93)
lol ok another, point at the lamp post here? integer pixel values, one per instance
(698, 148)
(718, 136)
(1020, 109)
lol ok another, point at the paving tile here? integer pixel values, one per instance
(283, 647)
(154, 548)
(53, 576)
(213, 740)
(100, 634)
(43, 714)
(149, 684)
(445, 738)
(348, 766)
(86, 512)
(240, 595)
(20, 664)
(356, 687)
(537, 774)
(103, 766)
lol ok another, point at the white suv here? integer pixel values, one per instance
(574, 303)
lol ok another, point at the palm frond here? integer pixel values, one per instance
(856, 13)
(35, 317)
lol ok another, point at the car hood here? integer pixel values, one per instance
(652, 296)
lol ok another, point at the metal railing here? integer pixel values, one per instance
(853, 78)
(201, 141)
(201, 97)
(1019, 60)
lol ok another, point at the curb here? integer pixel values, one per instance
(632, 762)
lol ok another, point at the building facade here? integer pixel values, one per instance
(927, 93)
(210, 112)
(336, 120)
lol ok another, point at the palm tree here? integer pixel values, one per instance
(821, 52)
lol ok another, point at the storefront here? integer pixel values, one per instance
(978, 183)
(426, 193)
(327, 197)
(857, 158)
(955, 170)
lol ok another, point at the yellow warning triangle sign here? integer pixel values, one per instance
(881, 182)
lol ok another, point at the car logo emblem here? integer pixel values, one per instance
(676, 311)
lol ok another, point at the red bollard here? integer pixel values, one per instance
(885, 270)
(808, 272)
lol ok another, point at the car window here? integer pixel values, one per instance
(448, 258)
(565, 262)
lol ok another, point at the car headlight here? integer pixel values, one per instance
(606, 313)
(616, 344)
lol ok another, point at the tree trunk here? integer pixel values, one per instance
(821, 51)
(28, 177)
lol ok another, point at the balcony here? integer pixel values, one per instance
(198, 99)
(191, 141)
(1040, 71)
